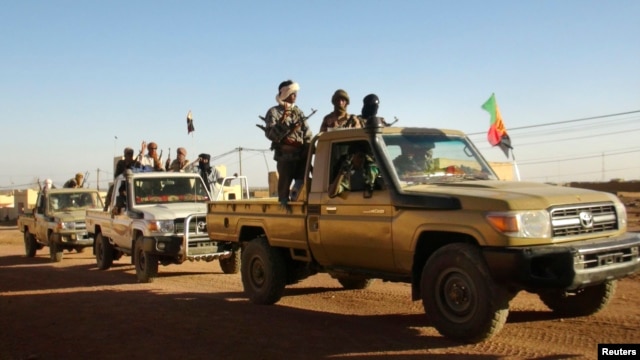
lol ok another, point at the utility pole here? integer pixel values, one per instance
(98, 179)
(240, 160)
(603, 167)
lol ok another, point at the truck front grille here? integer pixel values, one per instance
(197, 225)
(584, 219)
(605, 258)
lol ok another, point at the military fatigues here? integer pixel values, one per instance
(406, 164)
(355, 179)
(334, 121)
(290, 135)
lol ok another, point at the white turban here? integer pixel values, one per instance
(286, 91)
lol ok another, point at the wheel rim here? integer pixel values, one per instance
(456, 295)
(257, 273)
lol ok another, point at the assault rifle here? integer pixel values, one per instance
(282, 130)
(395, 120)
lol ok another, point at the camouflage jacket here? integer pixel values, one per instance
(352, 179)
(287, 126)
(333, 121)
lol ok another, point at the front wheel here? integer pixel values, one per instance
(459, 296)
(104, 252)
(146, 264)
(55, 249)
(30, 244)
(231, 265)
(583, 302)
(264, 272)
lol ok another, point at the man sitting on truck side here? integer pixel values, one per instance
(121, 199)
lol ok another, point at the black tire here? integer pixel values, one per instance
(459, 295)
(55, 249)
(354, 283)
(146, 264)
(30, 244)
(583, 302)
(264, 272)
(104, 252)
(231, 265)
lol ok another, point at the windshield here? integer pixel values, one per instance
(74, 201)
(434, 158)
(166, 190)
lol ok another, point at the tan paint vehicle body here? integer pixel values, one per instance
(58, 221)
(449, 231)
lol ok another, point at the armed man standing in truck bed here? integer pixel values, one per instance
(287, 128)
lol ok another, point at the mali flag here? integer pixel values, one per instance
(497, 134)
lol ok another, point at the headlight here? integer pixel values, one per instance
(523, 224)
(163, 226)
(67, 225)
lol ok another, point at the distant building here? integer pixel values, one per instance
(504, 170)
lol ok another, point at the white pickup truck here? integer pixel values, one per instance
(157, 218)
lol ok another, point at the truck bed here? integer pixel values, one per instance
(283, 226)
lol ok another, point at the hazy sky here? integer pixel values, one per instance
(80, 80)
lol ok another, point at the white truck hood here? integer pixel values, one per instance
(171, 211)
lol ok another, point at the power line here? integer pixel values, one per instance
(565, 121)
(578, 137)
(532, 162)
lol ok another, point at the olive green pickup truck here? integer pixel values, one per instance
(422, 206)
(58, 221)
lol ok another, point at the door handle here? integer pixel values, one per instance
(331, 209)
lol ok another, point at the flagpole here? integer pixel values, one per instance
(515, 165)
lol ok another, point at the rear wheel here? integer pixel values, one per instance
(30, 244)
(459, 295)
(231, 265)
(146, 264)
(55, 249)
(583, 302)
(263, 272)
(104, 252)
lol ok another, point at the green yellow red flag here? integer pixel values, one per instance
(497, 134)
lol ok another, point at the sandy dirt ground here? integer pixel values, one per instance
(72, 310)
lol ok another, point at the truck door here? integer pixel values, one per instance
(354, 227)
(40, 220)
(120, 231)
